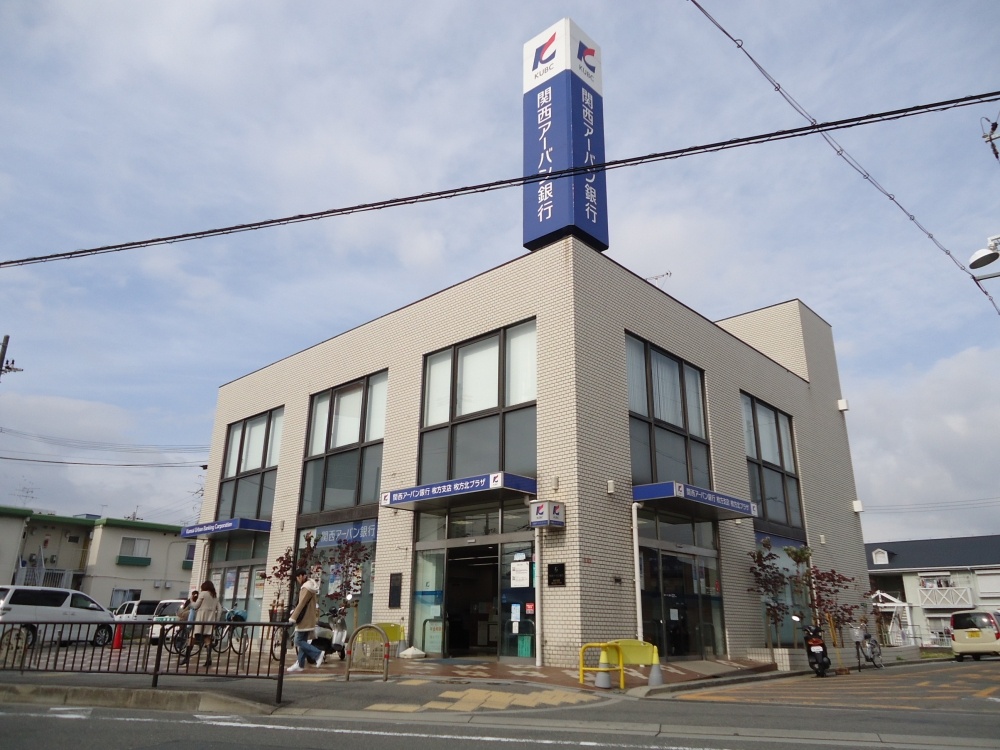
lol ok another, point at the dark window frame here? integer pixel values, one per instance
(787, 468)
(454, 422)
(652, 424)
(238, 476)
(362, 447)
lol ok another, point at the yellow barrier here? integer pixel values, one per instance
(616, 654)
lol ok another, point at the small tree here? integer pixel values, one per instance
(770, 581)
(309, 557)
(346, 563)
(828, 585)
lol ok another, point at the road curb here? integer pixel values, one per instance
(149, 699)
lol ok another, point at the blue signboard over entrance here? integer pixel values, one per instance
(700, 502)
(230, 524)
(425, 494)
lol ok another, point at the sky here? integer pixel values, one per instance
(126, 121)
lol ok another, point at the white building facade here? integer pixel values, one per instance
(666, 444)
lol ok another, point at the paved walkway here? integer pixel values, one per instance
(414, 686)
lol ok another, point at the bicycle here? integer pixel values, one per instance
(232, 636)
(871, 649)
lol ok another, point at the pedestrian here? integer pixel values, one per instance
(304, 618)
(205, 605)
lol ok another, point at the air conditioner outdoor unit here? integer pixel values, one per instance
(53, 558)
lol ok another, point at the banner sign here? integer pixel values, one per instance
(410, 496)
(353, 531)
(548, 514)
(231, 524)
(564, 129)
(726, 505)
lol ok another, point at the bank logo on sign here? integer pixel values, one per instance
(546, 53)
(585, 54)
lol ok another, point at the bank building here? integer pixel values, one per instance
(551, 453)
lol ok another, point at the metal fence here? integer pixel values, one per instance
(255, 650)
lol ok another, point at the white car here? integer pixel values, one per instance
(58, 613)
(165, 613)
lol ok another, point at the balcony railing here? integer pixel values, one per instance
(951, 597)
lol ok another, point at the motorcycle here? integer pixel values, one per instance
(819, 660)
(331, 633)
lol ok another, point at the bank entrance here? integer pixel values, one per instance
(474, 581)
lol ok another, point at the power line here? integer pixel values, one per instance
(97, 445)
(842, 152)
(957, 505)
(778, 135)
(154, 465)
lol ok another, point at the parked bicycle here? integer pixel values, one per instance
(868, 647)
(233, 636)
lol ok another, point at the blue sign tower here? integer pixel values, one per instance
(564, 129)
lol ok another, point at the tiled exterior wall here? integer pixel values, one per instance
(583, 303)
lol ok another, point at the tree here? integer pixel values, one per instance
(822, 590)
(770, 581)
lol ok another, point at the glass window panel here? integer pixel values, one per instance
(701, 475)
(794, 503)
(226, 494)
(253, 443)
(217, 551)
(371, 474)
(522, 364)
(247, 495)
(431, 525)
(232, 454)
(785, 432)
(520, 441)
(433, 456)
(478, 520)
(748, 432)
(437, 388)
(346, 417)
(767, 429)
(642, 466)
(676, 529)
(378, 388)
(671, 456)
(320, 422)
(274, 438)
(260, 545)
(695, 404)
(635, 363)
(774, 496)
(341, 480)
(666, 375)
(267, 495)
(516, 515)
(477, 381)
(753, 472)
(240, 546)
(704, 534)
(476, 447)
(312, 487)
(647, 523)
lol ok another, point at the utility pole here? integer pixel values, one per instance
(5, 364)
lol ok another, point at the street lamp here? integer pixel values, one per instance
(985, 256)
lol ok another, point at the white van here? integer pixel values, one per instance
(165, 612)
(140, 610)
(36, 605)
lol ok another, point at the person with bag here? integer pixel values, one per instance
(304, 618)
(206, 609)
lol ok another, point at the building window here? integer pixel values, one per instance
(479, 411)
(120, 596)
(774, 483)
(133, 547)
(880, 557)
(666, 405)
(344, 452)
(251, 467)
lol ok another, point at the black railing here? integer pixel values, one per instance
(254, 650)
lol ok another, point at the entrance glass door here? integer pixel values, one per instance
(681, 604)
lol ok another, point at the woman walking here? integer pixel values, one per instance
(206, 609)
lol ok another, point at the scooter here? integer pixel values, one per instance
(331, 633)
(819, 660)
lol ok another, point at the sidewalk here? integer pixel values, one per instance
(414, 686)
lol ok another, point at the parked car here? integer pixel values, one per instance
(35, 605)
(140, 610)
(975, 632)
(165, 612)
